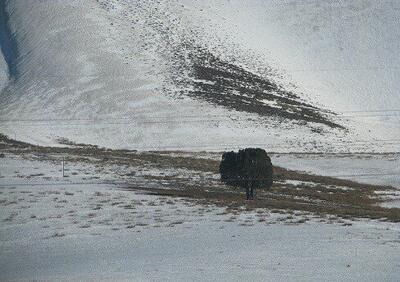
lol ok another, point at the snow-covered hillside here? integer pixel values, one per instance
(202, 74)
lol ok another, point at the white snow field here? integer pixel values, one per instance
(55, 231)
(301, 76)
(372, 169)
(126, 74)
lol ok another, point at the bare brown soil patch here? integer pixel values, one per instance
(312, 193)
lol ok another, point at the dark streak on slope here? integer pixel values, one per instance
(7, 42)
(199, 73)
(225, 84)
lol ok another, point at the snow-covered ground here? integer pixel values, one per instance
(208, 251)
(53, 230)
(115, 73)
(100, 72)
(371, 169)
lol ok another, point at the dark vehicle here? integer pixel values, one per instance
(250, 168)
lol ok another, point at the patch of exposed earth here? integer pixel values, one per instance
(197, 179)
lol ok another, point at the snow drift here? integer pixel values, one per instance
(200, 74)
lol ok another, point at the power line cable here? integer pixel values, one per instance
(376, 115)
(183, 117)
(371, 111)
(126, 76)
(270, 148)
(201, 179)
(222, 146)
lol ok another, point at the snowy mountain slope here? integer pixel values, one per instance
(190, 75)
(343, 52)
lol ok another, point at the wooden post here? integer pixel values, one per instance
(63, 167)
